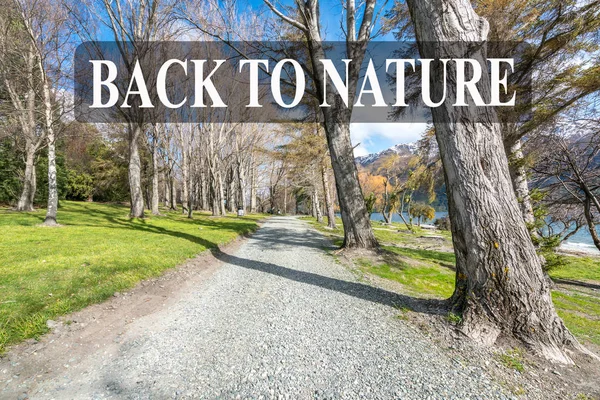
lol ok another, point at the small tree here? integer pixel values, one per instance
(422, 211)
(370, 201)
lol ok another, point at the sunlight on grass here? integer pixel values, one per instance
(98, 250)
(429, 273)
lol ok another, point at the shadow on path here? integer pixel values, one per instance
(354, 289)
(577, 283)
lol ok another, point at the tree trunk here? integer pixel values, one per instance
(52, 209)
(241, 178)
(587, 204)
(285, 196)
(135, 172)
(185, 179)
(231, 192)
(191, 199)
(355, 218)
(318, 212)
(203, 190)
(29, 181)
(401, 211)
(155, 196)
(518, 174)
(500, 286)
(358, 232)
(386, 212)
(221, 194)
(328, 200)
(173, 194)
(253, 207)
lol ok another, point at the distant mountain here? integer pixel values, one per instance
(400, 149)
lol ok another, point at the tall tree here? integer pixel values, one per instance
(18, 73)
(45, 24)
(500, 287)
(134, 25)
(355, 218)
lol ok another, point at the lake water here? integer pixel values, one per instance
(581, 241)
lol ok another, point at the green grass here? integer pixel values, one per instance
(584, 269)
(428, 273)
(513, 359)
(98, 250)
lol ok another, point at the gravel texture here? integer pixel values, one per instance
(280, 319)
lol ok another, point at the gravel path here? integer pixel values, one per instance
(279, 319)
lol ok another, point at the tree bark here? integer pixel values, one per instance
(500, 286)
(173, 193)
(241, 189)
(587, 204)
(167, 181)
(29, 181)
(203, 190)
(52, 207)
(317, 206)
(518, 174)
(135, 172)
(328, 200)
(358, 232)
(355, 218)
(386, 211)
(185, 178)
(221, 194)
(24, 104)
(253, 207)
(155, 172)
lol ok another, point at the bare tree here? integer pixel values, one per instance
(134, 25)
(568, 172)
(18, 73)
(45, 24)
(357, 226)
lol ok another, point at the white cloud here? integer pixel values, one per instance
(360, 151)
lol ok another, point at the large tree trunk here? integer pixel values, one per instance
(27, 120)
(135, 172)
(155, 196)
(29, 181)
(328, 200)
(355, 218)
(52, 208)
(500, 286)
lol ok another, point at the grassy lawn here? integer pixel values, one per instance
(48, 272)
(423, 264)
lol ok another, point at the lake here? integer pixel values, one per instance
(581, 241)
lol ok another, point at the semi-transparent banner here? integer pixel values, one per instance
(285, 82)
